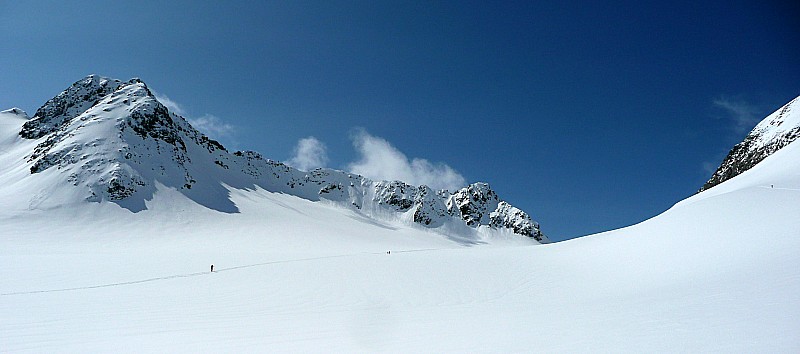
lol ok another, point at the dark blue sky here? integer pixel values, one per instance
(588, 115)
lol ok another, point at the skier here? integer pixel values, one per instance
(212, 268)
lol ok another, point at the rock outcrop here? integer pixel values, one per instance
(777, 130)
(117, 141)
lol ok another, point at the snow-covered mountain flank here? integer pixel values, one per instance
(113, 141)
(301, 263)
(770, 135)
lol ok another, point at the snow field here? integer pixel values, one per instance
(718, 272)
(688, 280)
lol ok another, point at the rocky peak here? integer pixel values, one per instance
(115, 140)
(431, 209)
(777, 130)
(474, 203)
(395, 194)
(67, 105)
(510, 217)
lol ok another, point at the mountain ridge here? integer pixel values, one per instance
(116, 141)
(774, 132)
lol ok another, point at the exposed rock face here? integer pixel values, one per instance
(474, 203)
(773, 133)
(113, 137)
(118, 141)
(70, 103)
(430, 207)
(508, 216)
(395, 194)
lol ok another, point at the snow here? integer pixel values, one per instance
(718, 272)
(15, 111)
(777, 124)
(774, 132)
(114, 141)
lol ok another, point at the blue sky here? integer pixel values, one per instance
(588, 115)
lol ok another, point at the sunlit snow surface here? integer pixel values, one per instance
(719, 272)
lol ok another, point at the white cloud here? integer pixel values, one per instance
(212, 126)
(173, 106)
(208, 124)
(744, 115)
(380, 160)
(309, 154)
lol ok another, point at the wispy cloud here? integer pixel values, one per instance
(709, 168)
(381, 161)
(208, 124)
(173, 106)
(742, 117)
(212, 126)
(309, 153)
(742, 114)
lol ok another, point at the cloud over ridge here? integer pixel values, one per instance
(379, 160)
(309, 154)
(743, 114)
(208, 124)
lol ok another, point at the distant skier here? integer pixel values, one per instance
(388, 252)
(212, 268)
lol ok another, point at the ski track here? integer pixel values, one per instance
(781, 188)
(196, 274)
(717, 272)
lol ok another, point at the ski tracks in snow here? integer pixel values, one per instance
(219, 270)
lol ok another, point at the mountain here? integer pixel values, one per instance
(716, 273)
(770, 135)
(113, 141)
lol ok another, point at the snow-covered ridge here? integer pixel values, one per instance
(770, 135)
(15, 111)
(114, 141)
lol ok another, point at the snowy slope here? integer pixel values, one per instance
(718, 272)
(773, 133)
(105, 140)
